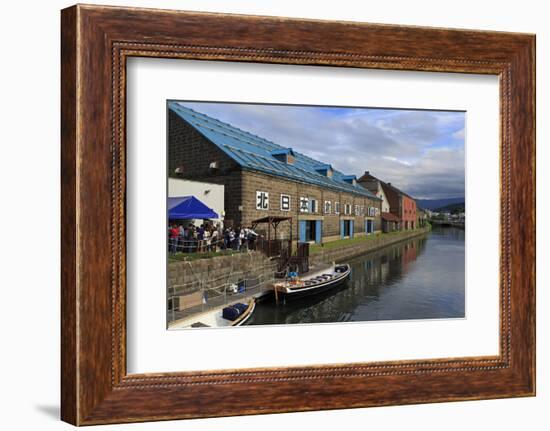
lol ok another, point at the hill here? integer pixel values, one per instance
(433, 204)
(452, 208)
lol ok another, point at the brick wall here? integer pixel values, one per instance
(192, 152)
(276, 186)
(409, 211)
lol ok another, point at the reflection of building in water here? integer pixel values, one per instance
(384, 271)
(409, 255)
(377, 269)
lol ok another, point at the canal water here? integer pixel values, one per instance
(421, 278)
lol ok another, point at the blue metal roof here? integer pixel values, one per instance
(256, 153)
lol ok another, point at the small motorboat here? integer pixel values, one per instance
(235, 314)
(316, 282)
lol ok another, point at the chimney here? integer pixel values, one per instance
(367, 173)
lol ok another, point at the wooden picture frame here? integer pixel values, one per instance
(96, 41)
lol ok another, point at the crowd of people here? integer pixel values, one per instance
(207, 237)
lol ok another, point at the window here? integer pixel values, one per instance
(262, 200)
(356, 209)
(336, 207)
(328, 207)
(304, 205)
(347, 209)
(285, 203)
(313, 205)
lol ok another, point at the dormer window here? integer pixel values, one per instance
(350, 179)
(285, 155)
(325, 170)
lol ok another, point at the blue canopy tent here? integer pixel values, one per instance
(187, 208)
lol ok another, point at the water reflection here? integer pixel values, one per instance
(419, 279)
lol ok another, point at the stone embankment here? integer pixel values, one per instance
(340, 254)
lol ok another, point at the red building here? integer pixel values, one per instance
(401, 204)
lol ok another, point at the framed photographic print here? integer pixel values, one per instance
(251, 205)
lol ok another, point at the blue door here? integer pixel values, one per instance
(341, 228)
(302, 230)
(369, 226)
(351, 228)
(318, 231)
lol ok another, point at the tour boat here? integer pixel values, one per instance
(235, 314)
(316, 282)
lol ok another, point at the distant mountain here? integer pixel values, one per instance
(432, 204)
(452, 208)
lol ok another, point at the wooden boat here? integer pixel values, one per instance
(314, 283)
(235, 314)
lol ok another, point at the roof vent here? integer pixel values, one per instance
(285, 155)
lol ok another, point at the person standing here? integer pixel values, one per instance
(251, 237)
(181, 238)
(173, 241)
(232, 239)
(242, 238)
(207, 239)
(200, 238)
(214, 240)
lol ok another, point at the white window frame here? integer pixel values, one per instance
(289, 200)
(328, 205)
(313, 206)
(264, 204)
(304, 209)
(336, 207)
(347, 209)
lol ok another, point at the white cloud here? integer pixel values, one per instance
(459, 134)
(415, 150)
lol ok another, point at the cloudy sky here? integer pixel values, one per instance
(421, 152)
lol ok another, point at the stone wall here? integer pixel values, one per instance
(277, 186)
(186, 277)
(340, 254)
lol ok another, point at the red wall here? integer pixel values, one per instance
(408, 211)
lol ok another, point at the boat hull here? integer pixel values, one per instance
(302, 292)
(246, 315)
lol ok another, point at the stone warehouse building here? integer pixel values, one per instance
(263, 179)
(402, 207)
